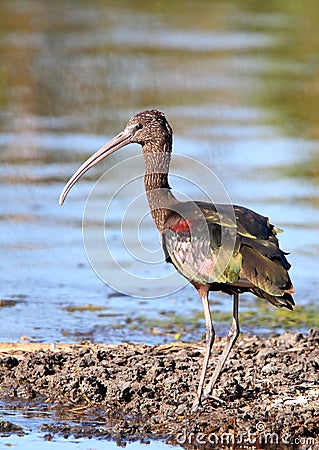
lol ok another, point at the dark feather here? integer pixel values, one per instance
(251, 239)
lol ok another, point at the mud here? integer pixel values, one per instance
(268, 391)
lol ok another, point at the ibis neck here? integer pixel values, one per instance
(159, 195)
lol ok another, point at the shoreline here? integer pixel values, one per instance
(146, 392)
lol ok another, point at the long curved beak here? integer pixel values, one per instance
(119, 141)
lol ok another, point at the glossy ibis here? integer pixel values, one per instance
(225, 248)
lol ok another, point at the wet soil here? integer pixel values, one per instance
(268, 392)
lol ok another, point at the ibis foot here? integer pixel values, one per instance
(199, 401)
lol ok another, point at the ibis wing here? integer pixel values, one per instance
(231, 245)
(264, 264)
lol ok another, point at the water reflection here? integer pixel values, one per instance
(238, 82)
(31, 424)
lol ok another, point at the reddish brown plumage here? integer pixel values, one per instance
(182, 226)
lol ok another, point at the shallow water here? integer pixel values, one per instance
(32, 421)
(34, 441)
(84, 73)
(34, 424)
(238, 82)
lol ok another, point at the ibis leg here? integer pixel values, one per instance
(210, 336)
(231, 339)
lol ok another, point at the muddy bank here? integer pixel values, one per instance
(140, 392)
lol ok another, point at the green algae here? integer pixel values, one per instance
(83, 308)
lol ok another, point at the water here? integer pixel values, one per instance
(31, 422)
(238, 82)
(36, 441)
(34, 430)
